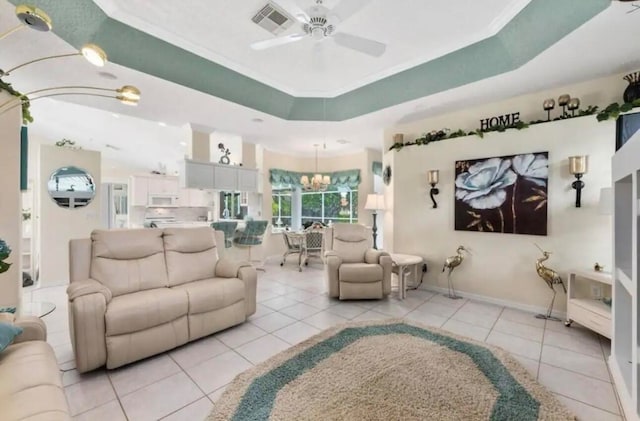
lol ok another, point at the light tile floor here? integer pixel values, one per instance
(292, 306)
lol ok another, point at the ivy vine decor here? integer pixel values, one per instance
(5, 251)
(26, 104)
(437, 135)
(614, 110)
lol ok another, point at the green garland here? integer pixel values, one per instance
(26, 104)
(614, 110)
(442, 134)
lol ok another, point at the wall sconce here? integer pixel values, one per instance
(578, 166)
(433, 177)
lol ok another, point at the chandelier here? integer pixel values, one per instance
(318, 182)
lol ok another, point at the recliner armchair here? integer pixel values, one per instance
(354, 270)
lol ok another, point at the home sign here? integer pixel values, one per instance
(503, 120)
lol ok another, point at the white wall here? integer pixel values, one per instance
(10, 203)
(502, 265)
(59, 225)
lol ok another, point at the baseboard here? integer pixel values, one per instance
(497, 301)
(626, 402)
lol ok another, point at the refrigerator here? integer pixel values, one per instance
(114, 211)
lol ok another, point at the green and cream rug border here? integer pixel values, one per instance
(227, 405)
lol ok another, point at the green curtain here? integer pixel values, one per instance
(376, 168)
(347, 178)
(24, 158)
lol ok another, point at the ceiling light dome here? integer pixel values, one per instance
(33, 17)
(94, 54)
(130, 92)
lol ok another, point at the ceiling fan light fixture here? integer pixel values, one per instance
(33, 18)
(94, 54)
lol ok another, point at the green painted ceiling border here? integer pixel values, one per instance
(537, 27)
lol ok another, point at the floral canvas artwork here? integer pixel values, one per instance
(506, 194)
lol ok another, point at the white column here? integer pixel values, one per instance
(11, 202)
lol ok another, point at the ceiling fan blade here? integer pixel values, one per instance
(294, 10)
(364, 45)
(345, 9)
(263, 45)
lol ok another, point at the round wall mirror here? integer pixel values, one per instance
(71, 187)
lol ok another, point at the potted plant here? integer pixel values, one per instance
(5, 251)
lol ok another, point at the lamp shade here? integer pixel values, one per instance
(605, 205)
(578, 164)
(374, 202)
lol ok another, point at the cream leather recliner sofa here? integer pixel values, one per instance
(30, 380)
(354, 270)
(136, 293)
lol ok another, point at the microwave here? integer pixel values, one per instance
(162, 201)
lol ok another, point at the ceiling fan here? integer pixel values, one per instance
(320, 23)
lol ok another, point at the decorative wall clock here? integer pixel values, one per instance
(386, 175)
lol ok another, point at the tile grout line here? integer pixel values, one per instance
(586, 403)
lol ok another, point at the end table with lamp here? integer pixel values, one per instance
(375, 202)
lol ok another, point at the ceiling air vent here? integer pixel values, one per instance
(273, 19)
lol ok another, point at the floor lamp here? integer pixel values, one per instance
(375, 202)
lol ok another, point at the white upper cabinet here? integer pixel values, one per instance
(247, 180)
(197, 175)
(225, 177)
(143, 186)
(139, 191)
(161, 185)
(208, 175)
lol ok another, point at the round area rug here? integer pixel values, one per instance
(389, 370)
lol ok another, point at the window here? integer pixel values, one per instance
(335, 206)
(281, 207)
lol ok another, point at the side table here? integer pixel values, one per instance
(402, 261)
(584, 306)
(37, 308)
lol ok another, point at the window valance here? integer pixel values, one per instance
(376, 168)
(347, 178)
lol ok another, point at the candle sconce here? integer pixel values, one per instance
(563, 101)
(578, 166)
(433, 177)
(548, 105)
(573, 105)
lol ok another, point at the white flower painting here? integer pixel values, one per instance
(503, 194)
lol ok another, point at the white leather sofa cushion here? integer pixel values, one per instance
(360, 272)
(31, 382)
(144, 309)
(127, 261)
(191, 254)
(212, 294)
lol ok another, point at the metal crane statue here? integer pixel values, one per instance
(451, 263)
(551, 278)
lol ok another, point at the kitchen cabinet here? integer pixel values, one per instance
(247, 180)
(209, 175)
(143, 186)
(139, 191)
(225, 177)
(195, 198)
(197, 175)
(163, 186)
